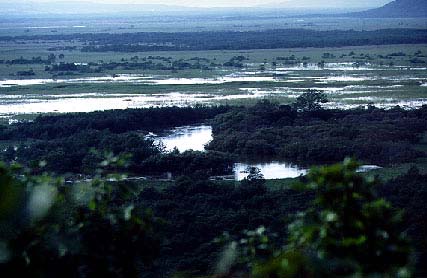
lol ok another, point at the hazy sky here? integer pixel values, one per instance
(231, 3)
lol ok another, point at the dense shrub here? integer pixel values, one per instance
(320, 136)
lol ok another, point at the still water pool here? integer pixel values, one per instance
(196, 137)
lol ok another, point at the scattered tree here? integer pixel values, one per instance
(310, 101)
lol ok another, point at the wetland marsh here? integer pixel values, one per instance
(347, 77)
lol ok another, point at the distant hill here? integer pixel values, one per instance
(396, 9)
(347, 5)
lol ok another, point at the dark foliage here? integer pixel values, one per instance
(409, 192)
(228, 40)
(197, 211)
(310, 101)
(116, 121)
(321, 136)
(52, 230)
(76, 143)
(74, 153)
(190, 163)
(347, 232)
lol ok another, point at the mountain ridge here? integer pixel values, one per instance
(336, 4)
(396, 9)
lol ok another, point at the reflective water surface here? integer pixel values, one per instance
(271, 170)
(347, 85)
(196, 137)
(187, 138)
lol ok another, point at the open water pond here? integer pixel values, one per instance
(196, 137)
(186, 138)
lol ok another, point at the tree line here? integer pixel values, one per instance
(229, 40)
